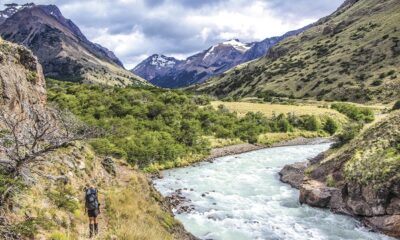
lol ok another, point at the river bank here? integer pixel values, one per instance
(246, 147)
(240, 197)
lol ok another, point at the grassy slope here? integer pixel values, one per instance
(131, 208)
(372, 158)
(341, 58)
(270, 109)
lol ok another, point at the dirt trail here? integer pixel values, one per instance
(123, 178)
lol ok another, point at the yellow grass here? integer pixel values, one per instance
(270, 109)
(134, 213)
(222, 142)
(271, 138)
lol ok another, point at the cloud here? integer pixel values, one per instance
(135, 29)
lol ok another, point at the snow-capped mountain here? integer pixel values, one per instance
(155, 66)
(201, 66)
(11, 9)
(62, 49)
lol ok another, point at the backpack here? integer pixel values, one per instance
(92, 203)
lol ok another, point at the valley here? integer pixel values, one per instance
(290, 137)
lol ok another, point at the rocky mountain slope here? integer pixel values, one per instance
(359, 179)
(201, 66)
(22, 83)
(46, 201)
(64, 52)
(351, 55)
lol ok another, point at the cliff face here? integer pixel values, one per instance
(360, 179)
(22, 84)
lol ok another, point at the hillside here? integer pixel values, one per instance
(351, 55)
(169, 72)
(62, 49)
(43, 174)
(361, 178)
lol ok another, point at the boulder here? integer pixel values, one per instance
(293, 174)
(388, 224)
(317, 194)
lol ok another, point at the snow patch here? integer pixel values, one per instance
(237, 45)
(162, 61)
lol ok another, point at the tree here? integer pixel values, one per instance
(312, 124)
(331, 126)
(25, 137)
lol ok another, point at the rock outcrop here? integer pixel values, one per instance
(22, 84)
(360, 179)
(293, 174)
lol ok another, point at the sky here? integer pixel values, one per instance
(136, 29)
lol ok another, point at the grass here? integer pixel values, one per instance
(134, 212)
(131, 207)
(275, 109)
(179, 162)
(269, 139)
(330, 65)
(373, 157)
(222, 142)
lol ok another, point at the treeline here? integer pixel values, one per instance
(151, 125)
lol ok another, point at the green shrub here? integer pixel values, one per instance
(354, 112)
(330, 181)
(349, 132)
(396, 105)
(331, 126)
(105, 147)
(312, 123)
(63, 198)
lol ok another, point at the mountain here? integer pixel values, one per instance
(64, 52)
(201, 66)
(351, 55)
(156, 66)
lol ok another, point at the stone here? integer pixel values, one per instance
(387, 224)
(394, 207)
(313, 193)
(293, 174)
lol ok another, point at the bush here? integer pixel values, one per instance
(105, 147)
(63, 198)
(284, 125)
(349, 132)
(354, 112)
(331, 126)
(330, 181)
(312, 123)
(396, 106)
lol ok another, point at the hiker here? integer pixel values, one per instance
(92, 206)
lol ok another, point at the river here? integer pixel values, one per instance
(240, 197)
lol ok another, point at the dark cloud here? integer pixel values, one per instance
(134, 29)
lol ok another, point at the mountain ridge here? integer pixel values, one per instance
(210, 62)
(350, 55)
(63, 50)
